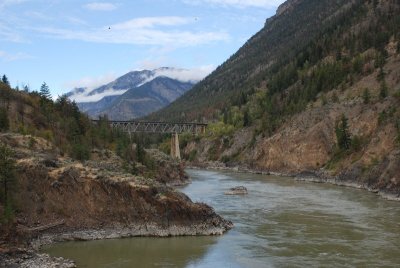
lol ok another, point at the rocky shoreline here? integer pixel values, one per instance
(313, 176)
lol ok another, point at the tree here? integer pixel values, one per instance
(7, 178)
(383, 93)
(45, 91)
(140, 152)
(366, 96)
(246, 118)
(4, 123)
(342, 133)
(4, 79)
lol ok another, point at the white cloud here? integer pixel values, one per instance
(13, 57)
(140, 31)
(184, 75)
(238, 3)
(4, 3)
(91, 83)
(150, 22)
(100, 6)
(85, 98)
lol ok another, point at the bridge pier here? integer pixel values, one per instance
(175, 152)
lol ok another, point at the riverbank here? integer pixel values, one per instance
(61, 199)
(320, 176)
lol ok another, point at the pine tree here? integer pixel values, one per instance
(246, 118)
(4, 79)
(45, 92)
(342, 133)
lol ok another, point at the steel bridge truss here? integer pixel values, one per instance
(158, 127)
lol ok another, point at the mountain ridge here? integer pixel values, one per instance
(112, 94)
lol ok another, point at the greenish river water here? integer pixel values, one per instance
(280, 223)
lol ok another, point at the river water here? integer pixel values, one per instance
(280, 223)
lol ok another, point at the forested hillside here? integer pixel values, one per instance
(317, 90)
(310, 46)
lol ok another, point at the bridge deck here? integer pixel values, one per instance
(157, 127)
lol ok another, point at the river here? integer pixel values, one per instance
(280, 223)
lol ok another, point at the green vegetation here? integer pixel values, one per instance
(73, 133)
(327, 54)
(342, 133)
(366, 96)
(5, 81)
(383, 93)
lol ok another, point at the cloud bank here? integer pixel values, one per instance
(183, 75)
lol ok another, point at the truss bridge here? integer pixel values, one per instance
(160, 127)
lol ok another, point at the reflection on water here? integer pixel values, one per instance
(280, 223)
(135, 252)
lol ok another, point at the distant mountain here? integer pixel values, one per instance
(132, 95)
(148, 98)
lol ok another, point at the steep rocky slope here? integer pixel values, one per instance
(306, 143)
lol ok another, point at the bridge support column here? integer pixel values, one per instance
(175, 152)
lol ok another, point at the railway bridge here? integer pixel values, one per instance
(160, 127)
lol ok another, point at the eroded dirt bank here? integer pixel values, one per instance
(60, 199)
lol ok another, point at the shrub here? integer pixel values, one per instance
(366, 96)
(4, 123)
(80, 151)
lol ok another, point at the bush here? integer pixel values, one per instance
(366, 96)
(192, 155)
(4, 123)
(383, 93)
(80, 151)
(356, 143)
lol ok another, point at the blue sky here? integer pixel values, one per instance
(70, 43)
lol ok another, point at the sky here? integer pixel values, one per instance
(71, 43)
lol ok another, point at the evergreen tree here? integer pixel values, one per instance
(140, 153)
(342, 133)
(4, 79)
(383, 93)
(246, 118)
(45, 91)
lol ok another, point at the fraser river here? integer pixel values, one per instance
(280, 223)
